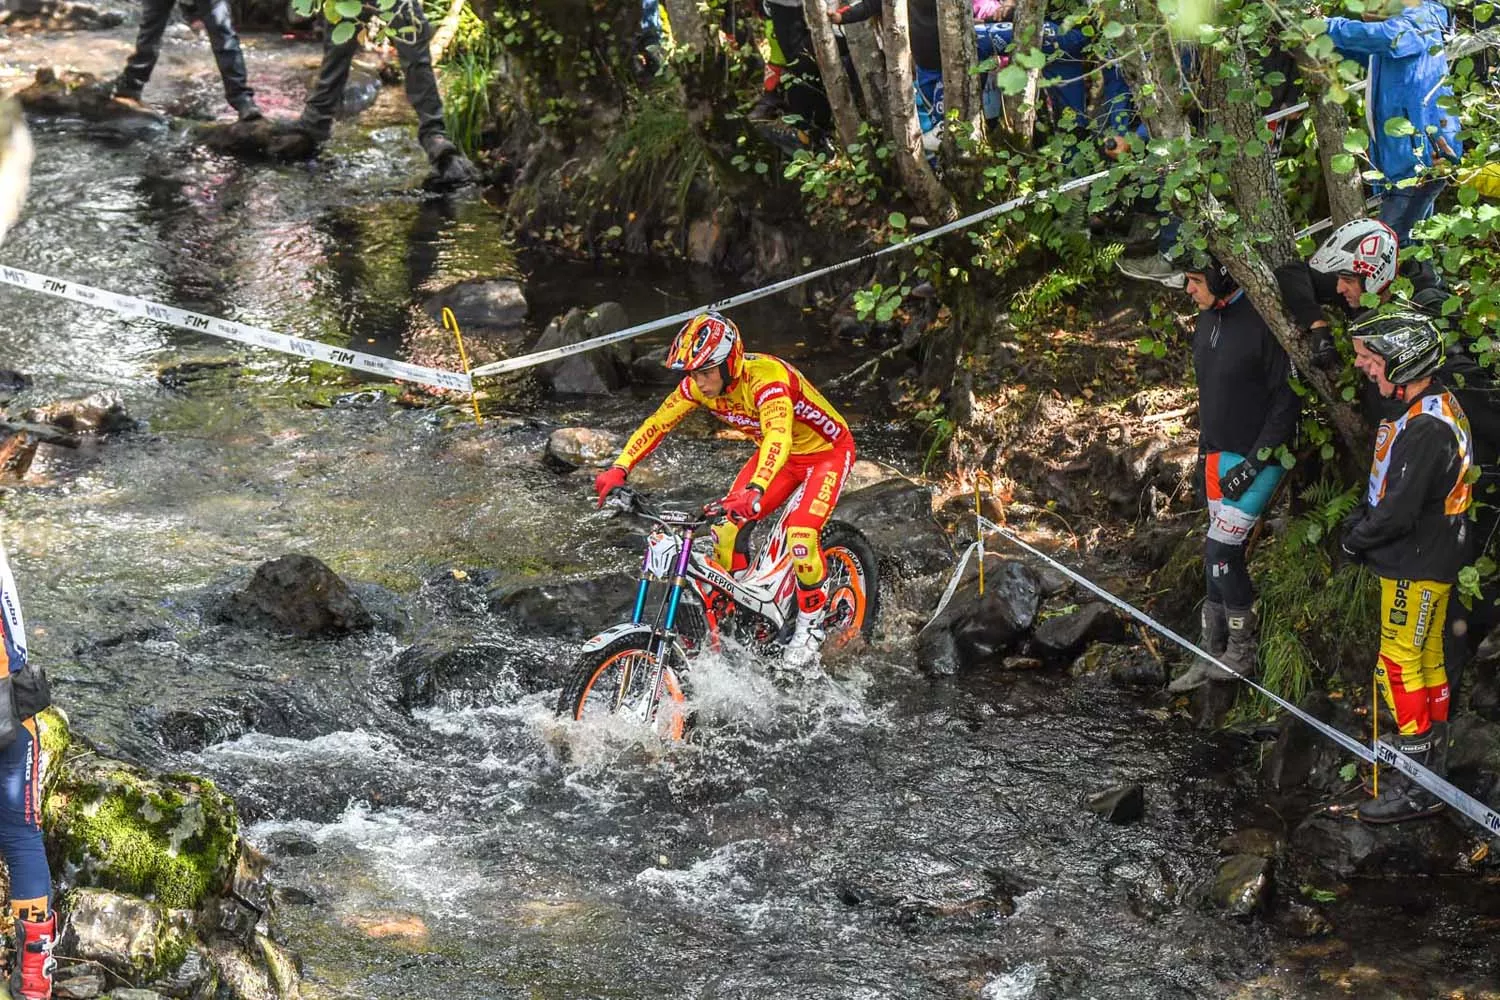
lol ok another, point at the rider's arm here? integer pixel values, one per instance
(647, 436)
(775, 404)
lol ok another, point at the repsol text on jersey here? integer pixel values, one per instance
(817, 420)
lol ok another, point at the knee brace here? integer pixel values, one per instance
(807, 556)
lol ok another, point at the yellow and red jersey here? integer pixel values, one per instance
(770, 401)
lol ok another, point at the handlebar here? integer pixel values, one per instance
(630, 501)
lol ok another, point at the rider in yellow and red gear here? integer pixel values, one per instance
(805, 447)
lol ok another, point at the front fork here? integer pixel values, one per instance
(661, 638)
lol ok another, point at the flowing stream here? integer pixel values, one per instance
(871, 834)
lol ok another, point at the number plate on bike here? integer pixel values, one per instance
(677, 517)
(661, 554)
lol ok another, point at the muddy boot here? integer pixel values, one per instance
(451, 169)
(1241, 653)
(31, 979)
(1401, 798)
(1213, 637)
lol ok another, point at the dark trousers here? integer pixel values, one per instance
(411, 36)
(803, 80)
(219, 23)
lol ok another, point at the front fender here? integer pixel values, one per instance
(615, 632)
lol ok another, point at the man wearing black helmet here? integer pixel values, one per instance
(1246, 410)
(1411, 532)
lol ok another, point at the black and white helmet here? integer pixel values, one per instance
(1411, 345)
(1366, 248)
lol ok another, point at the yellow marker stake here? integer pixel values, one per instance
(451, 323)
(1374, 732)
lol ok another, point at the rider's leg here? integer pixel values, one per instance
(725, 532)
(823, 483)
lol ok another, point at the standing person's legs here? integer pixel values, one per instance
(413, 38)
(1402, 208)
(328, 90)
(26, 860)
(155, 14)
(218, 20)
(802, 80)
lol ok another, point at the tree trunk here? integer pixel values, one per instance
(1330, 122)
(831, 67)
(961, 88)
(447, 31)
(1253, 183)
(689, 29)
(1158, 78)
(869, 69)
(916, 174)
(1028, 20)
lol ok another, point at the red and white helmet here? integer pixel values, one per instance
(1365, 248)
(707, 340)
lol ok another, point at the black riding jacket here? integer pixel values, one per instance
(1245, 401)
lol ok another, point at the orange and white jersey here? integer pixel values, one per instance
(1441, 406)
(771, 402)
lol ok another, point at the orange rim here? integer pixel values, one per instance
(676, 723)
(850, 592)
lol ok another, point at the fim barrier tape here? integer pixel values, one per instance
(129, 305)
(1383, 753)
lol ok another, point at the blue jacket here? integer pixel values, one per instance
(1408, 75)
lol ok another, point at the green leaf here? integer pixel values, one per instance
(343, 31)
(1114, 29)
(1356, 141)
(761, 166)
(1348, 772)
(1288, 460)
(897, 220)
(1341, 163)
(1398, 127)
(1320, 895)
(348, 9)
(1011, 79)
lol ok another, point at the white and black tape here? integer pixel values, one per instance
(1384, 753)
(129, 305)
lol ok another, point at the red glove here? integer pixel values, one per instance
(742, 505)
(608, 481)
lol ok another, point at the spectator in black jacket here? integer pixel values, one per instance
(1412, 532)
(1246, 411)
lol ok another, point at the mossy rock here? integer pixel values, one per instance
(173, 839)
(56, 739)
(132, 937)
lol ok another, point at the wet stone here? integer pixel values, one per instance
(96, 413)
(489, 305)
(1253, 840)
(570, 448)
(976, 631)
(1063, 636)
(575, 608)
(298, 594)
(593, 373)
(1122, 804)
(1303, 921)
(78, 983)
(1243, 885)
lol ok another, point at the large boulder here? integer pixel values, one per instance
(299, 595)
(1243, 885)
(895, 515)
(594, 373)
(1345, 846)
(129, 936)
(576, 608)
(173, 838)
(976, 631)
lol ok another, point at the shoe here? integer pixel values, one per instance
(249, 111)
(1213, 638)
(295, 140)
(1241, 652)
(451, 169)
(1400, 798)
(1154, 267)
(31, 979)
(804, 649)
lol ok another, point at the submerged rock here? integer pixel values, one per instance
(977, 631)
(261, 139)
(495, 304)
(575, 608)
(1122, 666)
(97, 413)
(594, 373)
(300, 595)
(1121, 804)
(1345, 846)
(82, 95)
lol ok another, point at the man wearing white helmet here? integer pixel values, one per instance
(1412, 533)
